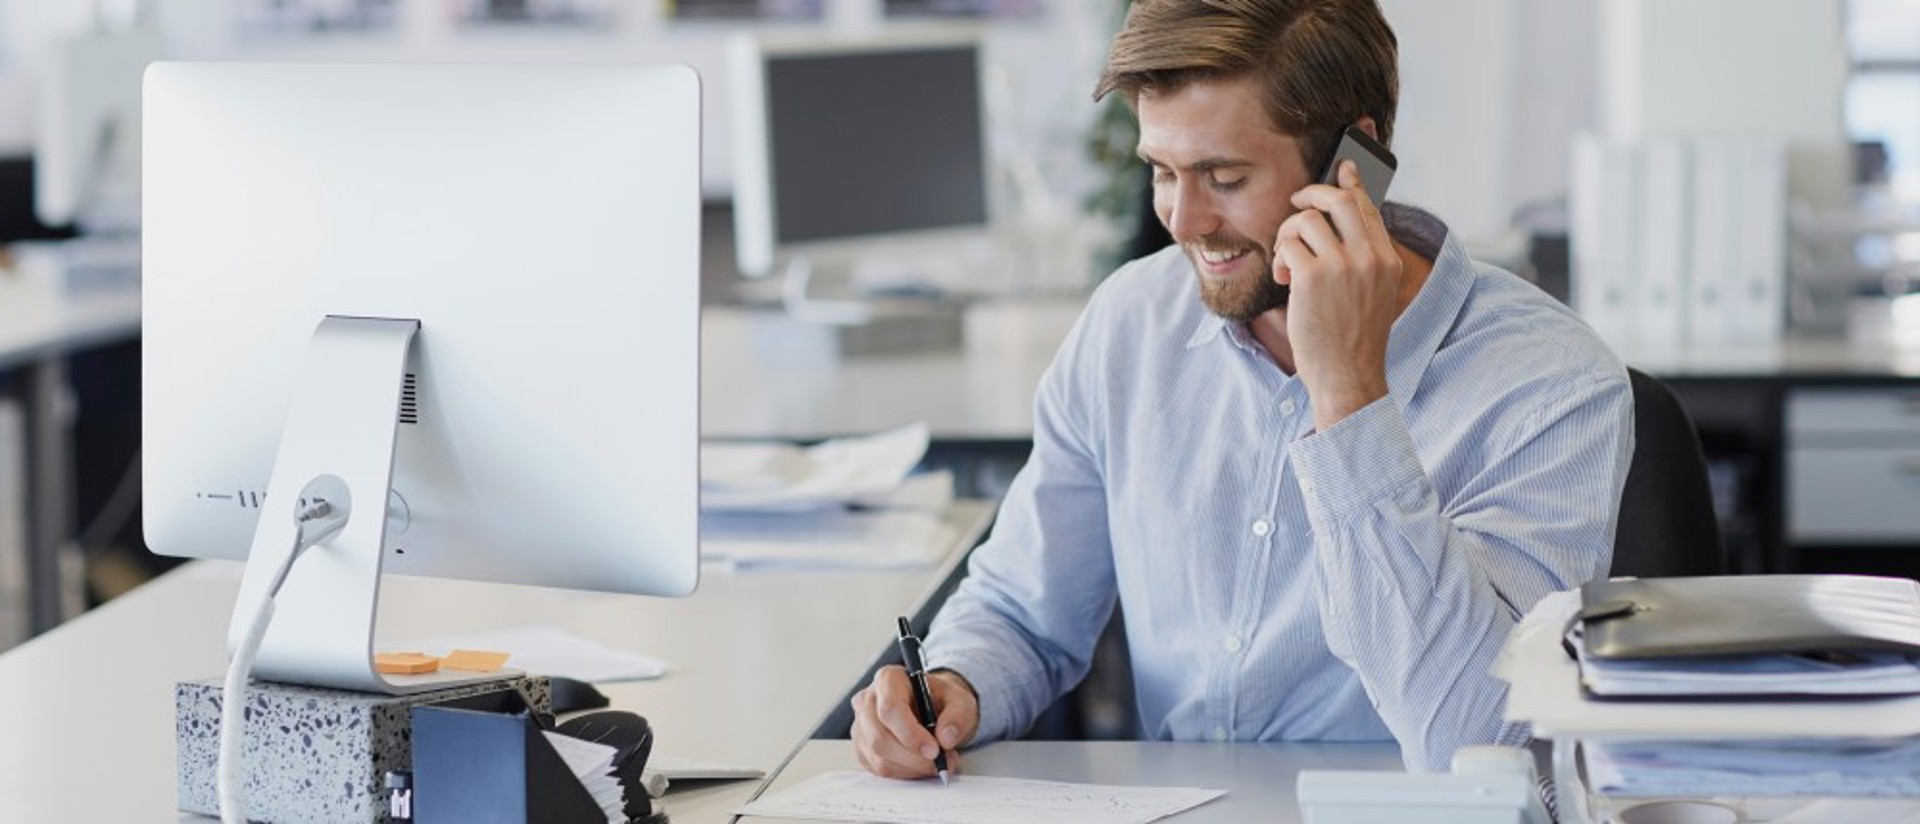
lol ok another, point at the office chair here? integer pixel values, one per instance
(1666, 526)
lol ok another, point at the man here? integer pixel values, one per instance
(1324, 459)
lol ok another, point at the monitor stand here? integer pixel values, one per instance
(343, 423)
(795, 282)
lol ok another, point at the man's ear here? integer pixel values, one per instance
(1366, 125)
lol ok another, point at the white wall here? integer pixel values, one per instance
(1779, 69)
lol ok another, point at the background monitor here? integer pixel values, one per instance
(844, 147)
(87, 150)
(541, 224)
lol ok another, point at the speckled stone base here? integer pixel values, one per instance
(311, 754)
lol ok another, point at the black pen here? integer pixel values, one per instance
(922, 698)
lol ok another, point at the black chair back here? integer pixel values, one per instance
(1667, 526)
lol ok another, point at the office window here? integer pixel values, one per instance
(1883, 94)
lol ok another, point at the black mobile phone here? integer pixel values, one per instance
(1375, 162)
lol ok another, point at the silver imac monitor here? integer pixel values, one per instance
(858, 151)
(463, 298)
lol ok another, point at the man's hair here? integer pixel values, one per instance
(1322, 64)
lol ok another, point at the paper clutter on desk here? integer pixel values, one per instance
(842, 539)
(785, 477)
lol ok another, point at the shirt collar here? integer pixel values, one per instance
(1419, 330)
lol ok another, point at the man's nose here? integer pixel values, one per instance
(1190, 214)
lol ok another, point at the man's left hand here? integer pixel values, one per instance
(1345, 295)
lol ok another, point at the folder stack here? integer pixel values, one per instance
(1743, 687)
(1680, 242)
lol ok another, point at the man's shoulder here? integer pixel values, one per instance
(1534, 342)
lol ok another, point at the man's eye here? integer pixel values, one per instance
(1229, 185)
(1162, 177)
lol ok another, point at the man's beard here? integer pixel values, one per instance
(1243, 298)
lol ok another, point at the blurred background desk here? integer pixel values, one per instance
(757, 660)
(765, 376)
(36, 342)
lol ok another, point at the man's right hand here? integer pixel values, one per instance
(888, 739)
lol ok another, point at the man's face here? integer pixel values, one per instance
(1222, 179)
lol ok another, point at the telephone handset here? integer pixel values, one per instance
(1376, 163)
(1487, 784)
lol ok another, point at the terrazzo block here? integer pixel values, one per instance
(312, 754)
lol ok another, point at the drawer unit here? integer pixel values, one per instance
(1890, 414)
(1853, 466)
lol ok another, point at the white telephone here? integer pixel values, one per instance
(1488, 785)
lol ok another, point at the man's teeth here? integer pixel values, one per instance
(1215, 256)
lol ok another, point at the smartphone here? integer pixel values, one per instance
(1375, 162)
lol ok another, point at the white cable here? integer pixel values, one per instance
(233, 694)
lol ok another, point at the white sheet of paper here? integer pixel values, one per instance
(775, 477)
(974, 799)
(546, 650)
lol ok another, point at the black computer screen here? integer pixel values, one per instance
(875, 142)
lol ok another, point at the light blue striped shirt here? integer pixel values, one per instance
(1281, 584)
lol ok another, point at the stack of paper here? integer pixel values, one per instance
(883, 539)
(782, 477)
(846, 504)
(592, 764)
(1839, 767)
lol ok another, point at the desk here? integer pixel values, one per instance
(757, 660)
(36, 339)
(1258, 778)
(756, 385)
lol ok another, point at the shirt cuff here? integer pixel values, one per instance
(1365, 457)
(990, 688)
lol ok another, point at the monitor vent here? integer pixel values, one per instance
(410, 399)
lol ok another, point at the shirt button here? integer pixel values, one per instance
(1233, 643)
(1288, 407)
(1219, 733)
(1262, 527)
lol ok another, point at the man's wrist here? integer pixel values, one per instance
(957, 676)
(1333, 404)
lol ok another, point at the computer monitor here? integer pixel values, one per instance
(87, 147)
(857, 148)
(537, 225)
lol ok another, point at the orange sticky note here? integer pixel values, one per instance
(404, 663)
(472, 660)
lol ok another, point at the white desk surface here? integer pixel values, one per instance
(32, 330)
(758, 660)
(755, 383)
(1258, 778)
